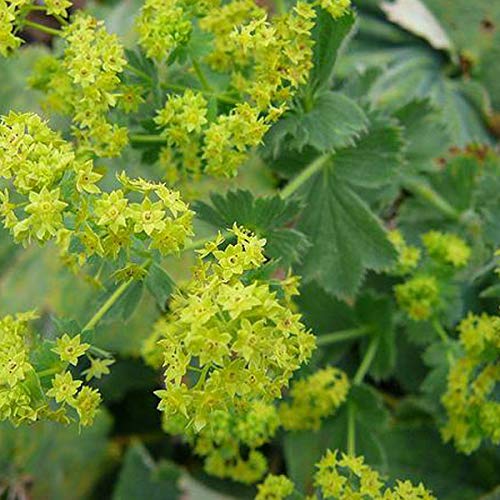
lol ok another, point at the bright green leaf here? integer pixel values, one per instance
(347, 238)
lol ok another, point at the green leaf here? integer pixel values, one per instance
(417, 453)
(329, 35)
(333, 121)
(412, 71)
(416, 18)
(469, 184)
(474, 31)
(119, 18)
(303, 449)
(124, 308)
(374, 160)
(15, 94)
(160, 285)
(347, 238)
(47, 460)
(141, 477)
(376, 312)
(322, 312)
(128, 341)
(126, 376)
(266, 216)
(437, 356)
(37, 279)
(426, 138)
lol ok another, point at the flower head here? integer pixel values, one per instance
(69, 349)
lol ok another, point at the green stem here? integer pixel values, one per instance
(201, 76)
(140, 73)
(425, 192)
(42, 28)
(111, 301)
(147, 139)
(209, 93)
(100, 352)
(366, 362)
(304, 176)
(445, 338)
(440, 331)
(202, 378)
(61, 20)
(200, 243)
(280, 6)
(48, 372)
(341, 336)
(107, 305)
(358, 378)
(351, 429)
(31, 8)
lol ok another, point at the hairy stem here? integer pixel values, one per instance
(42, 28)
(110, 302)
(351, 429)
(341, 336)
(203, 377)
(424, 191)
(367, 361)
(445, 338)
(48, 372)
(61, 20)
(140, 73)
(147, 139)
(200, 243)
(209, 93)
(358, 378)
(304, 176)
(440, 331)
(201, 76)
(100, 352)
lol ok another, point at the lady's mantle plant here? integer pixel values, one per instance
(355, 302)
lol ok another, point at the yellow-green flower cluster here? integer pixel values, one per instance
(9, 12)
(408, 255)
(57, 7)
(162, 26)
(266, 58)
(16, 402)
(336, 8)
(314, 398)
(349, 477)
(227, 342)
(230, 441)
(419, 296)
(473, 412)
(344, 477)
(25, 394)
(447, 248)
(8, 39)
(275, 488)
(85, 84)
(423, 294)
(182, 121)
(53, 195)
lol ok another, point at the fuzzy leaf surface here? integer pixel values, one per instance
(267, 216)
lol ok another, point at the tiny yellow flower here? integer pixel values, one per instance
(70, 348)
(64, 387)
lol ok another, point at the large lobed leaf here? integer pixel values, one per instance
(268, 217)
